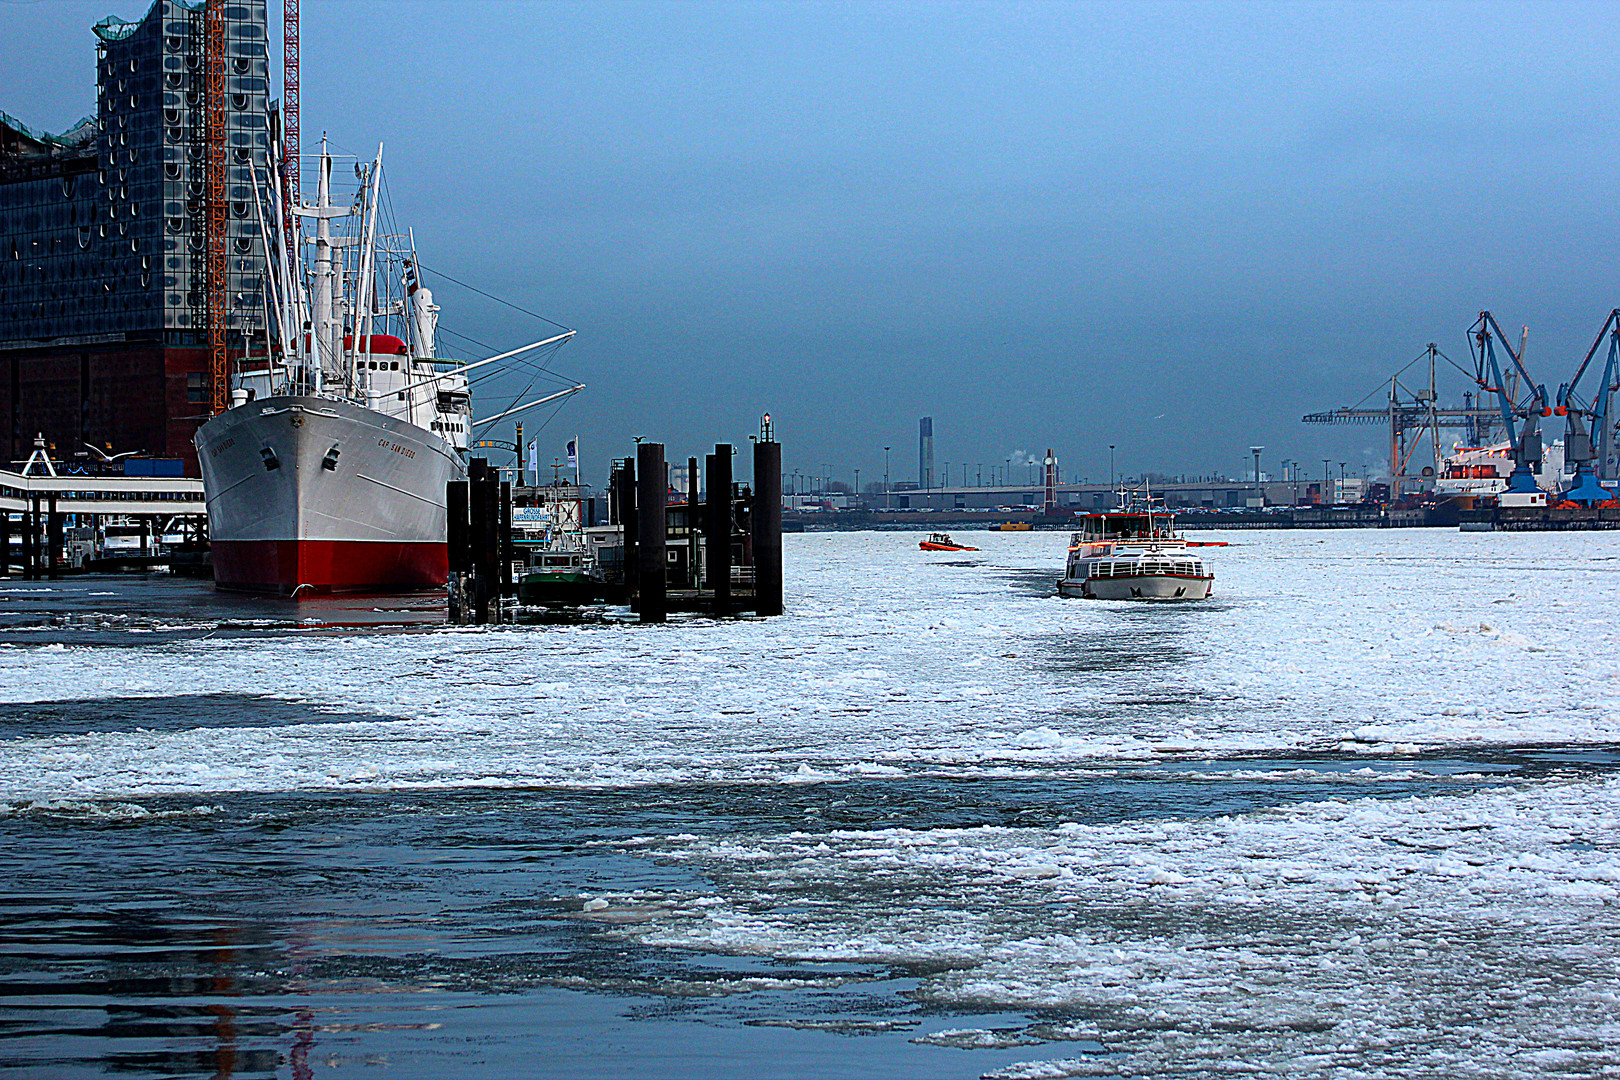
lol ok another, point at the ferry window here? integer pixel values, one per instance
(393, 365)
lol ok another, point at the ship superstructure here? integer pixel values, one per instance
(1485, 470)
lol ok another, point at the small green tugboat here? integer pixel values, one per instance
(558, 578)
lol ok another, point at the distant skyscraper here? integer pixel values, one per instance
(925, 453)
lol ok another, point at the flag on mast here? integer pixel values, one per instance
(573, 452)
(534, 459)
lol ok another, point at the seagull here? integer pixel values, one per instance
(109, 459)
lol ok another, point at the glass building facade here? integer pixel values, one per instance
(102, 260)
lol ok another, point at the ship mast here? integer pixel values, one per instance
(327, 330)
(364, 286)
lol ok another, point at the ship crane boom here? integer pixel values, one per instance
(576, 388)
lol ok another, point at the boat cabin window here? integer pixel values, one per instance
(1123, 526)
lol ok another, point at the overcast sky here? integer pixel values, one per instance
(1174, 228)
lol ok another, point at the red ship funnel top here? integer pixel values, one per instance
(380, 344)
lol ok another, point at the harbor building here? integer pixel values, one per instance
(103, 336)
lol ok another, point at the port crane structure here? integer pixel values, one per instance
(1520, 400)
(1412, 413)
(1585, 418)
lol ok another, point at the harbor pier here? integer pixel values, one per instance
(714, 549)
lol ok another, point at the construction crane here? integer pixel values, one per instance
(1521, 401)
(1410, 414)
(289, 114)
(1583, 419)
(215, 285)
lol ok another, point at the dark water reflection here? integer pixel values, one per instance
(440, 933)
(155, 608)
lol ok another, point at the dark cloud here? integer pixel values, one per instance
(1174, 228)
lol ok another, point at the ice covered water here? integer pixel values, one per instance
(1354, 814)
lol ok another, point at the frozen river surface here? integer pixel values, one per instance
(1355, 816)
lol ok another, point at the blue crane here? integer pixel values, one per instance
(1521, 406)
(1583, 419)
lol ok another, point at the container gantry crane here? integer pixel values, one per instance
(1584, 419)
(1410, 414)
(1521, 401)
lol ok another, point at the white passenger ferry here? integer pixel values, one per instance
(1135, 555)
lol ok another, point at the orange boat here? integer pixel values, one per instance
(943, 542)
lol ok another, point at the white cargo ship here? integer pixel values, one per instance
(1484, 470)
(327, 473)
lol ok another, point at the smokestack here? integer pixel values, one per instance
(925, 453)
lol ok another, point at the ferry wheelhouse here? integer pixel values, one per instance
(1134, 555)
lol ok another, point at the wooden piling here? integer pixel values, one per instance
(767, 514)
(717, 529)
(652, 499)
(5, 544)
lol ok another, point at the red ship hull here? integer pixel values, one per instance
(322, 567)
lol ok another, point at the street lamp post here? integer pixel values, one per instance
(1341, 482)
(1259, 492)
(1327, 479)
(888, 503)
(1110, 466)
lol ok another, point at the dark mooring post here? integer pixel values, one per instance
(456, 537)
(768, 527)
(489, 550)
(31, 540)
(5, 544)
(693, 516)
(53, 538)
(505, 539)
(717, 529)
(483, 519)
(629, 525)
(652, 560)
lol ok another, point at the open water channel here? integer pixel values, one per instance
(1354, 816)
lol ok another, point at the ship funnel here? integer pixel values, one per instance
(427, 320)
